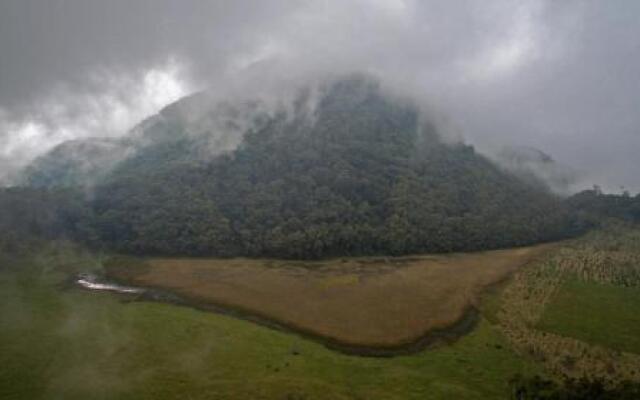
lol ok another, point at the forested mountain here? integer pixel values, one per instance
(76, 163)
(191, 129)
(31, 215)
(345, 170)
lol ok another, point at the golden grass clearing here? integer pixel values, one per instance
(372, 302)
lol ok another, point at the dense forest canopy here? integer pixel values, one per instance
(360, 172)
(595, 205)
(31, 215)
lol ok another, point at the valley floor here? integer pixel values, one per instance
(58, 341)
(361, 305)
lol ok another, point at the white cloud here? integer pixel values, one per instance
(64, 114)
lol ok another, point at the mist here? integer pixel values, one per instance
(557, 76)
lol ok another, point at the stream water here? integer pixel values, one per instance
(90, 281)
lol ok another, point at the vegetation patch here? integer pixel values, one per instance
(359, 302)
(573, 310)
(601, 314)
(57, 342)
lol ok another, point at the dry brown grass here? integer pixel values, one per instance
(355, 301)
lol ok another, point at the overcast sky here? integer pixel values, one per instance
(562, 76)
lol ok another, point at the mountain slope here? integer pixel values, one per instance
(190, 130)
(361, 174)
(81, 162)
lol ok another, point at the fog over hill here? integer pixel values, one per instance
(319, 199)
(556, 76)
(342, 168)
(538, 168)
(213, 125)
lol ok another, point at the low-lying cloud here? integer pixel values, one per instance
(67, 114)
(559, 76)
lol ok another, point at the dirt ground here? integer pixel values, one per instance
(370, 301)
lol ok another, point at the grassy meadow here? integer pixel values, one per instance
(361, 302)
(576, 311)
(601, 314)
(60, 342)
(570, 312)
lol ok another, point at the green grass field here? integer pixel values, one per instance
(573, 312)
(596, 313)
(58, 342)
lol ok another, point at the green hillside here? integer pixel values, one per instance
(364, 174)
(345, 170)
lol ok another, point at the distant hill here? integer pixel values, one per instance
(595, 207)
(191, 129)
(537, 168)
(76, 163)
(347, 169)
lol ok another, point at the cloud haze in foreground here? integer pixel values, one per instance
(559, 76)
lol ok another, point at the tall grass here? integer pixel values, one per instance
(609, 256)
